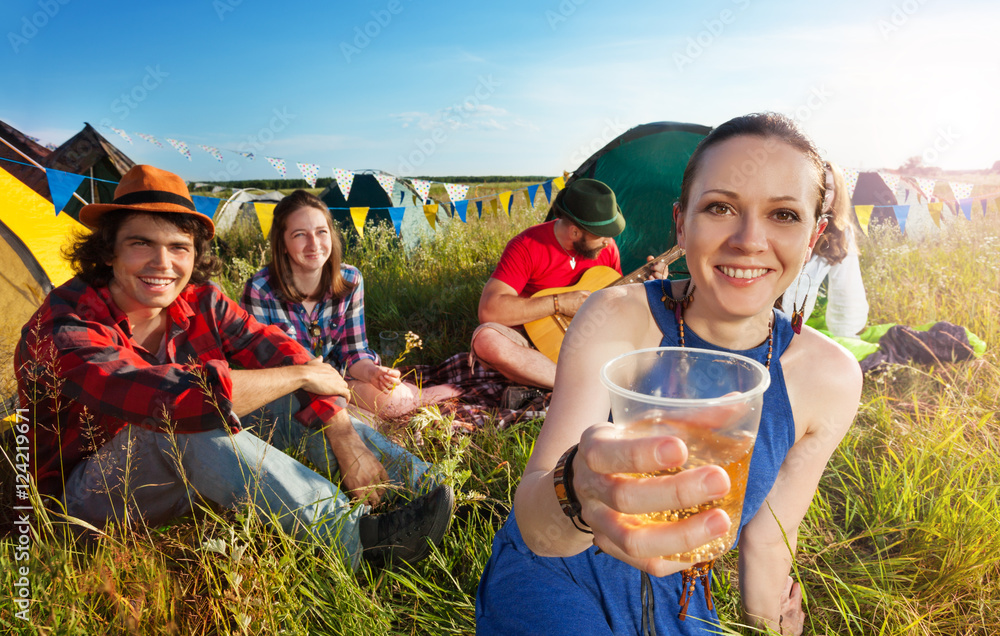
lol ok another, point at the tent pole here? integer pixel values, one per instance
(41, 167)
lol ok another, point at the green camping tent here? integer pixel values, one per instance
(644, 167)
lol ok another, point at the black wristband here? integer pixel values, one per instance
(562, 478)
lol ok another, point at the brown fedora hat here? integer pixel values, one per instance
(147, 189)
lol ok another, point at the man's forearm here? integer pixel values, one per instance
(255, 388)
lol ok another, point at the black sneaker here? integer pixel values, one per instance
(516, 396)
(407, 533)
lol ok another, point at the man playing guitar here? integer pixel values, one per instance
(548, 255)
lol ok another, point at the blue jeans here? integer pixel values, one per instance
(160, 476)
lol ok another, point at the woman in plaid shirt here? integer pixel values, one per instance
(319, 301)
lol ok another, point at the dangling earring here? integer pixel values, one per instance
(798, 313)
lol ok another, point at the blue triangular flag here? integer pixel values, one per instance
(983, 202)
(547, 188)
(532, 191)
(966, 208)
(479, 208)
(460, 209)
(901, 212)
(206, 205)
(62, 185)
(401, 195)
(396, 214)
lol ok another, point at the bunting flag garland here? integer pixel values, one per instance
(532, 191)
(431, 212)
(180, 147)
(962, 190)
(248, 155)
(890, 180)
(901, 212)
(310, 172)
(559, 183)
(851, 179)
(423, 188)
(505, 198)
(344, 180)
(279, 165)
(927, 187)
(359, 216)
(547, 189)
(62, 185)
(479, 208)
(206, 205)
(388, 182)
(396, 214)
(212, 150)
(402, 194)
(462, 206)
(864, 213)
(265, 215)
(121, 133)
(456, 191)
(934, 209)
(966, 205)
(151, 139)
(983, 202)
(493, 206)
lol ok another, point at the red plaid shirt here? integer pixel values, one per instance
(83, 378)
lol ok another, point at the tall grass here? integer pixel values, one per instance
(902, 537)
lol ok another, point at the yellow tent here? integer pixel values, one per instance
(31, 263)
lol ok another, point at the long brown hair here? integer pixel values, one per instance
(765, 125)
(280, 267)
(832, 244)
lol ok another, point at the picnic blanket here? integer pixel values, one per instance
(481, 403)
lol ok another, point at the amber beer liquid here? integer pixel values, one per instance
(731, 451)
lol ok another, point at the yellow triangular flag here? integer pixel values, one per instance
(864, 213)
(265, 214)
(505, 198)
(527, 196)
(493, 206)
(431, 212)
(935, 211)
(559, 183)
(359, 216)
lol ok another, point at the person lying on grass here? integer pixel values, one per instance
(136, 411)
(320, 301)
(575, 556)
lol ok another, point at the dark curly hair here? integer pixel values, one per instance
(89, 254)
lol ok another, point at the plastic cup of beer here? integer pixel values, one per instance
(709, 399)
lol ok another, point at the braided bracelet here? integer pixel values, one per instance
(562, 478)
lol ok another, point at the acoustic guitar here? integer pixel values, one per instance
(547, 333)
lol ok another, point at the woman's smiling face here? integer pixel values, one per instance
(750, 223)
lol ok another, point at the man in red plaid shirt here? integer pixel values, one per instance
(136, 412)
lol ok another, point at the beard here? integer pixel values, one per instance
(580, 247)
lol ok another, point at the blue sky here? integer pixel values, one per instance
(482, 88)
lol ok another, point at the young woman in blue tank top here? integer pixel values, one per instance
(752, 205)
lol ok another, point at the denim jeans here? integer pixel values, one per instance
(160, 476)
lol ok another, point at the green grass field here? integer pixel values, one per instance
(902, 537)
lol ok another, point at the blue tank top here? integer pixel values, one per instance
(593, 593)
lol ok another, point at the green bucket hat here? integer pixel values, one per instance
(591, 204)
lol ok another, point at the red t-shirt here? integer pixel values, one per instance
(533, 260)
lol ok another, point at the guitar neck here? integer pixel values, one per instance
(643, 272)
